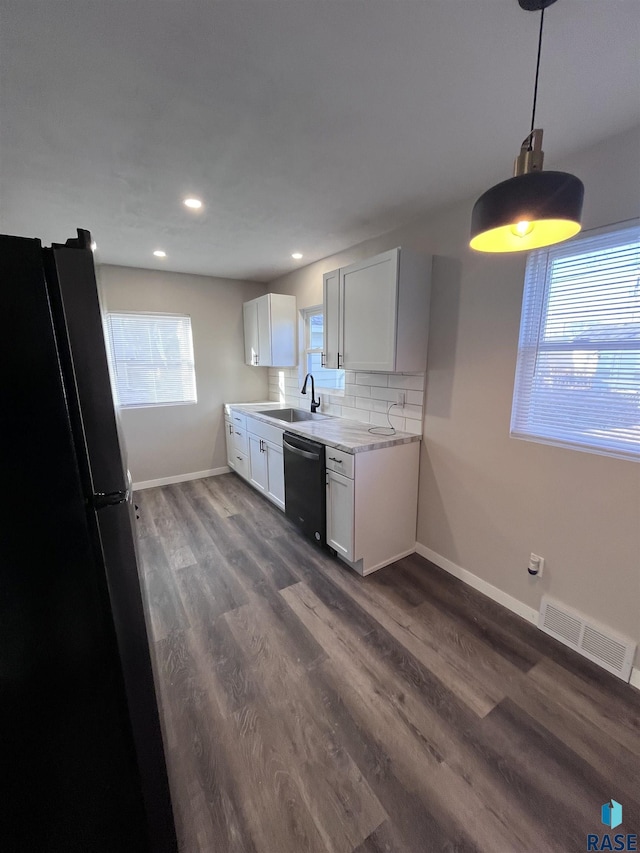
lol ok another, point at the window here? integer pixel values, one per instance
(578, 371)
(152, 359)
(331, 380)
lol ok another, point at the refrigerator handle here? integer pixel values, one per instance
(99, 500)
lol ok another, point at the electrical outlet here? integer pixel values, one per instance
(401, 398)
(536, 565)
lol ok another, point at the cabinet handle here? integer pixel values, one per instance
(239, 458)
(238, 433)
(338, 360)
(323, 360)
(230, 430)
(333, 459)
(238, 419)
(256, 359)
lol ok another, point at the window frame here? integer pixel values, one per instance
(114, 362)
(534, 319)
(307, 350)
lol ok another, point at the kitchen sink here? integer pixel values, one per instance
(291, 416)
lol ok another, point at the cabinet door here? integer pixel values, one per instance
(332, 345)
(275, 474)
(231, 456)
(340, 514)
(251, 343)
(258, 463)
(283, 320)
(369, 294)
(264, 331)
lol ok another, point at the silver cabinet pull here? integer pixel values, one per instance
(338, 360)
(323, 360)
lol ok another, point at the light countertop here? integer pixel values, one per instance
(341, 433)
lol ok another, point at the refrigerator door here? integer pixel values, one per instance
(115, 529)
(74, 298)
(67, 747)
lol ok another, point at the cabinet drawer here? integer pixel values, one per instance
(240, 439)
(241, 464)
(339, 461)
(238, 419)
(264, 430)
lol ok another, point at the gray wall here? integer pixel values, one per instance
(486, 500)
(166, 441)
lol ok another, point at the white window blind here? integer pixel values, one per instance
(152, 359)
(578, 371)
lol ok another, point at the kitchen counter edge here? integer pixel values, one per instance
(355, 437)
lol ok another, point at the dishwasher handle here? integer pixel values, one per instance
(299, 451)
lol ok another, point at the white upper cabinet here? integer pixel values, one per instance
(270, 331)
(377, 313)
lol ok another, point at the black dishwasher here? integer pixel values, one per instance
(305, 486)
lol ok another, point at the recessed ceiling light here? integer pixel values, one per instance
(160, 254)
(193, 203)
(296, 256)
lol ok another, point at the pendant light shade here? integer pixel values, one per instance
(527, 212)
(534, 208)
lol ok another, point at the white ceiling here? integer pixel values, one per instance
(305, 125)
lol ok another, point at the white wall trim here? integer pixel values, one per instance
(481, 585)
(634, 681)
(180, 478)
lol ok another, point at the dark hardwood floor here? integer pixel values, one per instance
(308, 709)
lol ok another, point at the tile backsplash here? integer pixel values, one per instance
(367, 397)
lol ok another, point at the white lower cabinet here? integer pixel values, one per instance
(340, 497)
(275, 474)
(257, 463)
(264, 460)
(228, 434)
(372, 500)
(237, 448)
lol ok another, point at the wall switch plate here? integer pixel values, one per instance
(401, 398)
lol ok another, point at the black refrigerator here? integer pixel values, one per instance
(81, 753)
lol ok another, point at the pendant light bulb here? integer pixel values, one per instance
(534, 208)
(521, 229)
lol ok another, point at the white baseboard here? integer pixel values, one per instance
(179, 478)
(483, 586)
(496, 594)
(399, 556)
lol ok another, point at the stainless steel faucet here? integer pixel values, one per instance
(314, 403)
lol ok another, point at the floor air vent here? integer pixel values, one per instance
(611, 651)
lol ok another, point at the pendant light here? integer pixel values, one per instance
(534, 208)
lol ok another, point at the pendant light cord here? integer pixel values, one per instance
(535, 87)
